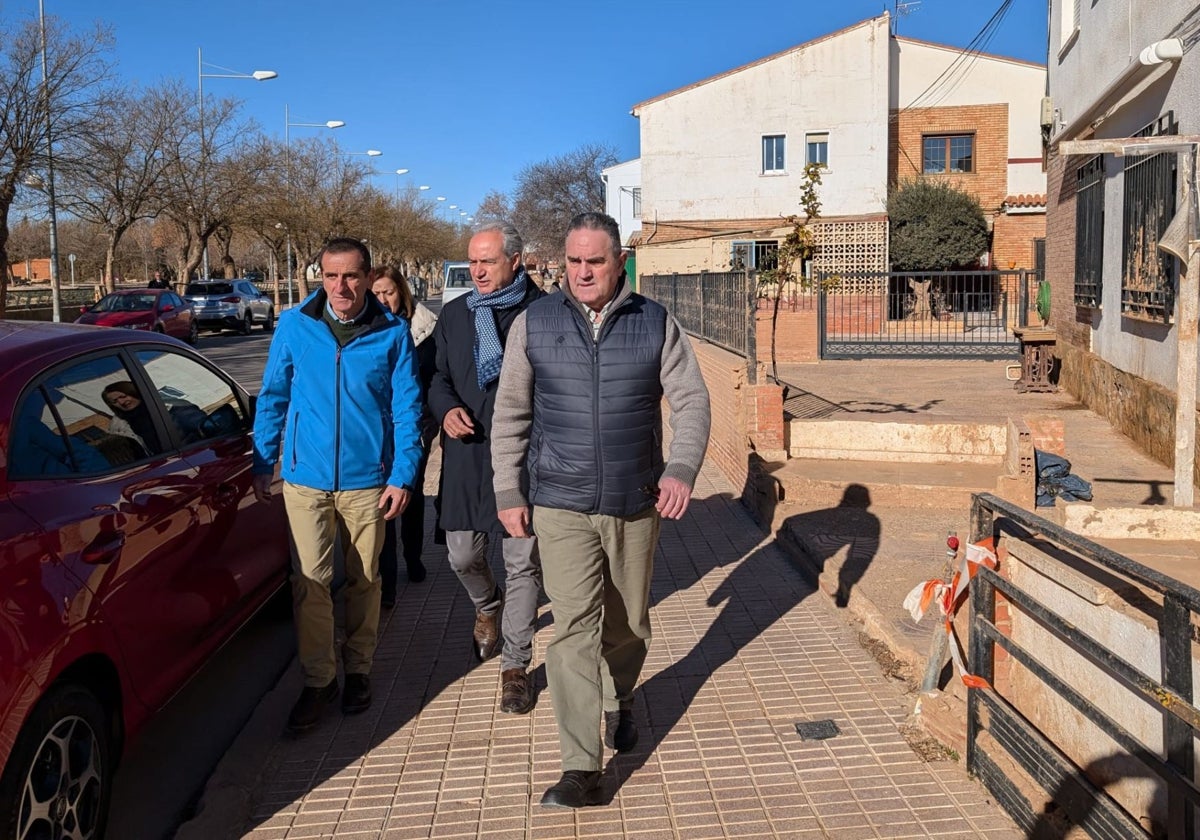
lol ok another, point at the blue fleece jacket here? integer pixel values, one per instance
(348, 417)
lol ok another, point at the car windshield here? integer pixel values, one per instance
(198, 289)
(125, 303)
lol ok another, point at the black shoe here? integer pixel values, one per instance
(357, 697)
(620, 732)
(387, 600)
(416, 571)
(311, 705)
(575, 789)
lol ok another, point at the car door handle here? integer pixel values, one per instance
(104, 549)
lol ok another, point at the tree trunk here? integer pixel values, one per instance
(110, 256)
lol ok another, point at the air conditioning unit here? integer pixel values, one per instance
(1047, 119)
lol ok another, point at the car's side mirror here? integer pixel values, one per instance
(168, 307)
(83, 310)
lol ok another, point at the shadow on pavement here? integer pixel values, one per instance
(751, 598)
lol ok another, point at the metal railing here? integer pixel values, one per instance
(922, 314)
(718, 307)
(1170, 764)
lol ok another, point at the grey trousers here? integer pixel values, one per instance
(468, 552)
(598, 571)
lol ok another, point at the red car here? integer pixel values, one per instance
(131, 548)
(158, 310)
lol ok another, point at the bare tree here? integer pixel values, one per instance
(495, 207)
(76, 71)
(117, 171)
(209, 173)
(551, 192)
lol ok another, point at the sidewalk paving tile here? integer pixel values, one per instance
(742, 650)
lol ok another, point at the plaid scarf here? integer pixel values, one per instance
(489, 353)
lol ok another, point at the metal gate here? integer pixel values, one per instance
(899, 314)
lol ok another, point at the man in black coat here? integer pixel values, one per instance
(470, 336)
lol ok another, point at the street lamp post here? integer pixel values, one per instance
(258, 76)
(55, 286)
(399, 172)
(287, 147)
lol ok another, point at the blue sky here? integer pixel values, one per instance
(466, 93)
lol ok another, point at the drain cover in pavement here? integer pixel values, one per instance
(816, 730)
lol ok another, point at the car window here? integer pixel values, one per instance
(199, 402)
(209, 288)
(85, 418)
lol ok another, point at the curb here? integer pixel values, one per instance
(223, 807)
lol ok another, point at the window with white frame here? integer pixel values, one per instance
(637, 202)
(816, 145)
(773, 157)
(757, 255)
(1069, 21)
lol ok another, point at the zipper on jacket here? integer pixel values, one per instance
(337, 420)
(596, 336)
(596, 421)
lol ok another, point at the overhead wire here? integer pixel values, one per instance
(962, 62)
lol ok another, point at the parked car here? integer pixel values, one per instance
(158, 310)
(131, 548)
(230, 305)
(456, 280)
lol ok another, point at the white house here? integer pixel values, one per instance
(623, 196)
(723, 159)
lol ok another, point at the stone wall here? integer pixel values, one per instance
(1139, 409)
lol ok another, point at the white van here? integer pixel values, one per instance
(456, 280)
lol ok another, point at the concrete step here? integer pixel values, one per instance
(914, 442)
(811, 482)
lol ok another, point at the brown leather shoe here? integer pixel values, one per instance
(487, 634)
(516, 691)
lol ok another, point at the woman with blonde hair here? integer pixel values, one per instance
(393, 291)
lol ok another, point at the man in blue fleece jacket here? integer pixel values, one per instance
(341, 398)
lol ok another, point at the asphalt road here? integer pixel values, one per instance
(164, 770)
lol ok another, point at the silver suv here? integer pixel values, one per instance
(230, 305)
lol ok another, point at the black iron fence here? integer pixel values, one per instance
(716, 306)
(1130, 717)
(959, 314)
(964, 314)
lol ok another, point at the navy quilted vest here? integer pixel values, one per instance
(596, 442)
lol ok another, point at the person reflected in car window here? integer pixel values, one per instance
(131, 415)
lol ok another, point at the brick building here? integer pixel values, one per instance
(1115, 74)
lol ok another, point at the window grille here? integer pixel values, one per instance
(1149, 275)
(1089, 232)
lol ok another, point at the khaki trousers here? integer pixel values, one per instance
(597, 573)
(319, 520)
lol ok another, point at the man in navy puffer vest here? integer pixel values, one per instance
(580, 407)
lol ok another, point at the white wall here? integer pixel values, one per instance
(1110, 36)
(701, 147)
(984, 80)
(619, 183)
